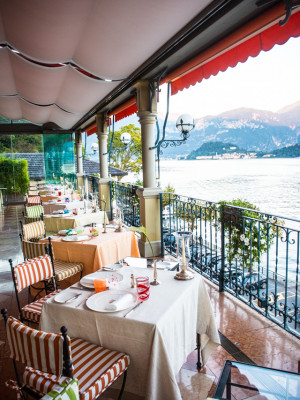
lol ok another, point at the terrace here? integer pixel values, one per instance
(63, 87)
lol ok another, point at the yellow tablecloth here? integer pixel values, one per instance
(55, 224)
(107, 248)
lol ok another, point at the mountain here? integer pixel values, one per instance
(249, 129)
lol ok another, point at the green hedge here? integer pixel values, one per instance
(14, 175)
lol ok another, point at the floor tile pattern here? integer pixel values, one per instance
(245, 331)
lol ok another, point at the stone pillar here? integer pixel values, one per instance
(78, 144)
(103, 185)
(149, 195)
(102, 141)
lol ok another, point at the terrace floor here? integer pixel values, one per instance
(245, 335)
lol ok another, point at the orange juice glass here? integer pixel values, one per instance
(99, 285)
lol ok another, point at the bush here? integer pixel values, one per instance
(14, 175)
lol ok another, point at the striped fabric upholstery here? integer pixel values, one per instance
(33, 311)
(34, 211)
(36, 349)
(95, 367)
(65, 391)
(32, 201)
(32, 271)
(65, 269)
(33, 249)
(33, 230)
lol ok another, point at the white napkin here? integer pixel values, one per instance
(122, 301)
(88, 280)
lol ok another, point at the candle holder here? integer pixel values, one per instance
(104, 216)
(182, 242)
(119, 228)
(155, 282)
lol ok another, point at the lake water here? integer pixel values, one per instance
(273, 185)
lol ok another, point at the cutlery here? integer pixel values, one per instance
(73, 297)
(129, 312)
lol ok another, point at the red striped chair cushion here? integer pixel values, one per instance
(33, 230)
(33, 311)
(65, 269)
(32, 271)
(33, 200)
(33, 249)
(95, 367)
(37, 349)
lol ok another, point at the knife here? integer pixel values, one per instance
(73, 297)
(129, 312)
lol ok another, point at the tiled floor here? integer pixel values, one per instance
(263, 342)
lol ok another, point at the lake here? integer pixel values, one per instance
(273, 185)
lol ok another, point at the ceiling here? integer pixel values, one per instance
(61, 61)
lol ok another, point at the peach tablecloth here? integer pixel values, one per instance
(107, 248)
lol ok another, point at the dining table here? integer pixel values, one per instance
(95, 252)
(57, 222)
(54, 196)
(158, 335)
(49, 207)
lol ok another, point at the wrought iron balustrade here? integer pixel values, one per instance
(128, 202)
(253, 255)
(93, 188)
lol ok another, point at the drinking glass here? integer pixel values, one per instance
(100, 285)
(143, 287)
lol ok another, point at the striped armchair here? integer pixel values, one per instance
(33, 214)
(33, 201)
(33, 231)
(24, 275)
(61, 269)
(52, 359)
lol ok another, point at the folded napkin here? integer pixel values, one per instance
(89, 280)
(123, 301)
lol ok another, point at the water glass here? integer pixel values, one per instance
(99, 285)
(143, 287)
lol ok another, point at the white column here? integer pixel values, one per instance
(102, 140)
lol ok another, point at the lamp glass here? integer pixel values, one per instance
(125, 138)
(94, 147)
(185, 123)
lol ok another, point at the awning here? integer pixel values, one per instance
(247, 42)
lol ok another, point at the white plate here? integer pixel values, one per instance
(56, 215)
(75, 238)
(99, 301)
(66, 295)
(111, 277)
(112, 267)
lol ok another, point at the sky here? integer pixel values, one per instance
(269, 81)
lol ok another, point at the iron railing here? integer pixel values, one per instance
(93, 188)
(3, 197)
(253, 255)
(128, 201)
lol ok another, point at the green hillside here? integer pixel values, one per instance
(213, 148)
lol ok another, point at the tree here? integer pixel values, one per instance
(127, 158)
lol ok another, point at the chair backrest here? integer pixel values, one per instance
(34, 211)
(35, 200)
(33, 249)
(32, 271)
(40, 350)
(33, 230)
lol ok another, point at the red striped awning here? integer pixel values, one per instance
(231, 51)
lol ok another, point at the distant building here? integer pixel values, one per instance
(36, 168)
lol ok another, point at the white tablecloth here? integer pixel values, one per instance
(50, 207)
(158, 335)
